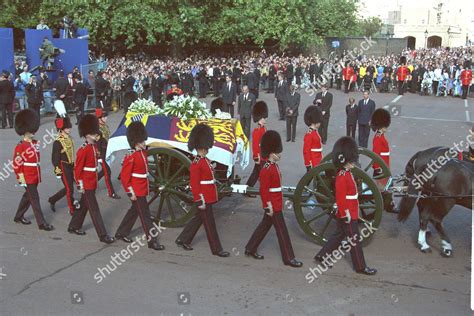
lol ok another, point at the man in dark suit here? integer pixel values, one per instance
(216, 74)
(324, 101)
(34, 92)
(244, 108)
(127, 87)
(80, 98)
(202, 77)
(157, 88)
(101, 89)
(271, 78)
(292, 113)
(258, 76)
(250, 80)
(365, 109)
(7, 95)
(60, 87)
(71, 82)
(351, 118)
(281, 95)
(229, 94)
(289, 73)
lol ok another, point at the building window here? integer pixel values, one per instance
(405, 21)
(423, 21)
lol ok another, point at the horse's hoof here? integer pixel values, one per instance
(446, 253)
(426, 250)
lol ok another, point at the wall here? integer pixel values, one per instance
(378, 48)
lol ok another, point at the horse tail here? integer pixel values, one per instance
(407, 203)
(410, 167)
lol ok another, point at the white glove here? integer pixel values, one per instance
(269, 209)
(58, 177)
(348, 217)
(203, 205)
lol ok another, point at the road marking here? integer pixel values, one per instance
(429, 119)
(468, 116)
(397, 98)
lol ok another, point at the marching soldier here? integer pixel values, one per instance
(134, 178)
(344, 156)
(466, 78)
(402, 75)
(62, 158)
(26, 164)
(260, 114)
(380, 122)
(102, 142)
(272, 202)
(312, 148)
(204, 191)
(85, 174)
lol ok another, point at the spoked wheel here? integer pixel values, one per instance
(172, 200)
(367, 159)
(315, 203)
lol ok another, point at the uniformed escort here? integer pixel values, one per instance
(312, 146)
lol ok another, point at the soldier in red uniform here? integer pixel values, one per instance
(466, 78)
(102, 142)
(347, 73)
(402, 75)
(380, 122)
(272, 202)
(134, 178)
(345, 156)
(312, 148)
(260, 114)
(203, 187)
(26, 164)
(62, 157)
(85, 173)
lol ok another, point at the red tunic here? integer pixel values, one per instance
(26, 161)
(347, 73)
(402, 73)
(381, 148)
(257, 134)
(346, 195)
(466, 77)
(85, 168)
(270, 186)
(312, 148)
(203, 184)
(134, 174)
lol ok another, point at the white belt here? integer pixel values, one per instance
(31, 164)
(207, 182)
(352, 197)
(385, 154)
(275, 189)
(139, 175)
(317, 149)
(89, 169)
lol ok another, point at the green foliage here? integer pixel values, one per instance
(369, 27)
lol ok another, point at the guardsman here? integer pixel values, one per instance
(312, 147)
(347, 73)
(345, 156)
(26, 164)
(272, 202)
(85, 174)
(134, 178)
(380, 122)
(203, 187)
(102, 142)
(402, 75)
(466, 78)
(62, 157)
(260, 114)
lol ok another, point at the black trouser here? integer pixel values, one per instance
(245, 121)
(202, 89)
(215, 87)
(386, 195)
(30, 198)
(364, 132)
(323, 128)
(254, 175)
(139, 209)
(128, 99)
(35, 107)
(401, 87)
(67, 178)
(435, 87)
(278, 221)
(107, 173)
(465, 89)
(291, 127)
(351, 130)
(271, 85)
(346, 231)
(229, 109)
(346, 86)
(7, 113)
(205, 217)
(254, 92)
(88, 203)
(79, 111)
(281, 109)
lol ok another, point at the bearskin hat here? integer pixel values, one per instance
(345, 150)
(201, 137)
(467, 64)
(312, 115)
(270, 143)
(380, 118)
(136, 133)
(62, 123)
(217, 103)
(403, 60)
(27, 121)
(99, 113)
(259, 111)
(88, 125)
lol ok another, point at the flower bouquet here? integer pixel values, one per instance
(186, 107)
(145, 106)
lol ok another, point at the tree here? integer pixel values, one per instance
(369, 26)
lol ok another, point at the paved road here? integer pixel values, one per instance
(53, 272)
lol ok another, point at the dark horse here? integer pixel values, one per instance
(438, 180)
